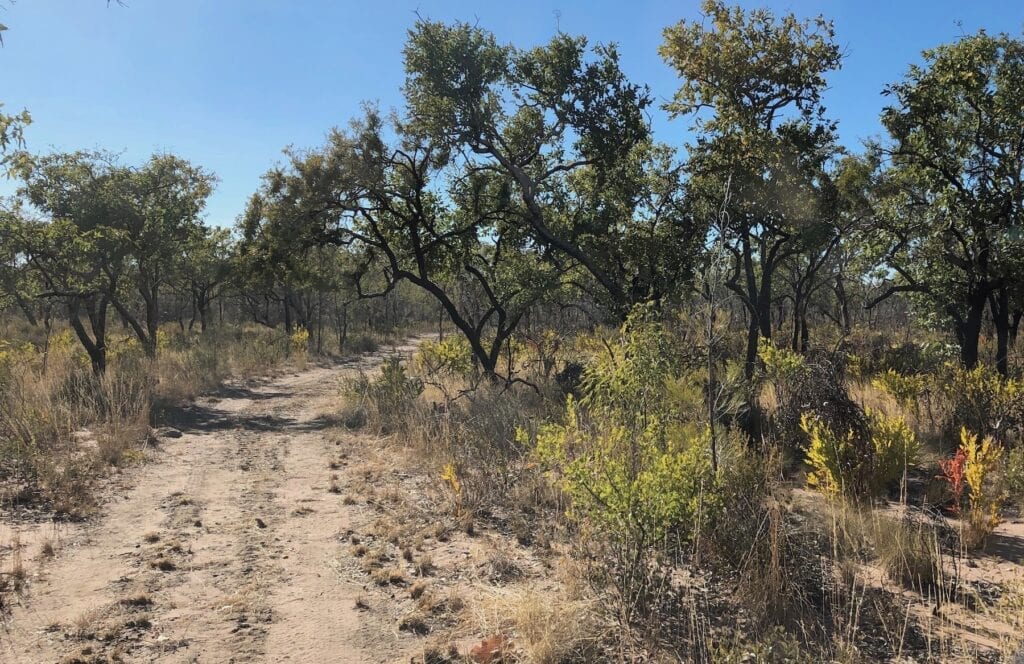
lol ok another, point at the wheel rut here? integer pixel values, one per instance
(222, 550)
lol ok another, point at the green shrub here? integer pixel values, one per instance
(906, 390)
(780, 364)
(1014, 475)
(846, 464)
(894, 446)
(983, 401)
(385, 401)
(639, 478)
(640, 485)
(449, 358)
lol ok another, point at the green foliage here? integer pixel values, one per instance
(387, 399)
(905, 389)
(913, 358)
(118, 235)
(1013, 474)
(780, 364)
(751, 64)
(950, 208)
(12, 128)
(843, 464)
(634, 472)
(983, 401)
(832, 458)
(760, 168)
(895, 449)
(558, 133)
(451, 357)
(632, 484)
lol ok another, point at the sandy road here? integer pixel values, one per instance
(222, 550)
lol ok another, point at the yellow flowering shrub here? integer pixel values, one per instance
(842, 464)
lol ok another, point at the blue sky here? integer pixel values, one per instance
(228, 83)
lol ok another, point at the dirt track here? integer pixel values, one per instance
(224, 549)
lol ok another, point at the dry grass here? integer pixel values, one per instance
(388, 576)
(546, 627)
(61, 427)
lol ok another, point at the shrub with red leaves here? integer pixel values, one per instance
(953, 470)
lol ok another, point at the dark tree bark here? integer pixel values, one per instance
(999, 305)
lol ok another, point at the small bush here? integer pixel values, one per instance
(299, 340)
(361, 343)
(640, 480)
(851, 466)
(1014, 475)
(983, 401)
(906, 390)
(384, 402)
(973, 470)
(448, 358)
(984, 459)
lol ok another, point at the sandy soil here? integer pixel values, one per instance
(231, 546)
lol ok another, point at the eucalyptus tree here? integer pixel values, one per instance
(18, 283)
(563, 130)
(206, 270)
(78, 268)
(752, 83)
(141, 217)
(954, 192)
(405, 215)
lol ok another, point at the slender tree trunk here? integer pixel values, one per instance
(999, 304)
(968, 332)
(25, 309)
(798, 300)
(844, 305)
(752, 338)
(95, 345)
(152, 321)
(342, 328)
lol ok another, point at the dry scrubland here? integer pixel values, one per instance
(62, 427)
(874, 518)
(586, 513)
(595, 398)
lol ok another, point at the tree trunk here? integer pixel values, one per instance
(999, 304)
(844, 305)
(26, 309)
(752, 337)
(798, 300)
(342, 328)
(96, 345)
(152, 320)
(968, 332)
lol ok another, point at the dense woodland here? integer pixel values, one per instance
(729, 376)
